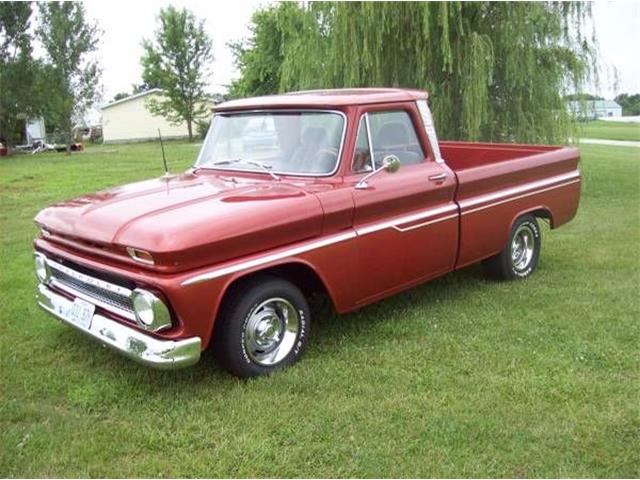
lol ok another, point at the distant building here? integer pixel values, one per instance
(34, 130)
(129, 120)
(592, 109)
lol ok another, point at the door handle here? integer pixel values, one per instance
(438, 177)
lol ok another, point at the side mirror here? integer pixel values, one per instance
(390, 164)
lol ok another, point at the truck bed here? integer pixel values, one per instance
(464, 155)
(499, 182)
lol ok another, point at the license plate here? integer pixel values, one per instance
(80, 313)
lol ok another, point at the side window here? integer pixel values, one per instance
(362, 154)
(393, 133)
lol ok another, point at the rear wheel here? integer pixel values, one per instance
(262, 328)
(521, 254)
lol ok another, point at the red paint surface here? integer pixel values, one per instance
(198, 222)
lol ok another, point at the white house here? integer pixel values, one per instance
(129, 120)
(34, 130)
(592, 109)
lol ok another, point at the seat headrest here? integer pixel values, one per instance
(393, 133)
(314, 136)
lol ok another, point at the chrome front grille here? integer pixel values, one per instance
(111, 297)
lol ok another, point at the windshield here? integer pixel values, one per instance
(297, 143)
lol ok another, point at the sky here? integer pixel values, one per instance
(617, 25)
(125, 24)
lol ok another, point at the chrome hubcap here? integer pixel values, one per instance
(271, 331)
(522, 248)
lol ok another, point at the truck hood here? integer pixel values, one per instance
(186, 220)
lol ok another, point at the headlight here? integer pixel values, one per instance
(151, 312)
(42, 269)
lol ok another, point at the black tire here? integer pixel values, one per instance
(516, 261)
(257, 312)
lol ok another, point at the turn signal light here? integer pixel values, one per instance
(141, 256)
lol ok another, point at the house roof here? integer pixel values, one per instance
(595, 104)
(605, 104)
(132, 97)
(325, 98)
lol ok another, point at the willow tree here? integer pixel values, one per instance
(261, 58)
(494, 71)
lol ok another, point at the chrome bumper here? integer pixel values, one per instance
(162, 354)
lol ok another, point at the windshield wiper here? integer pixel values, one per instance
(231, 161)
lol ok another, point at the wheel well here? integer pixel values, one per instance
(301, 275)
(544, 214)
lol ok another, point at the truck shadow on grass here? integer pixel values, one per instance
(444, 293)
(331, 333)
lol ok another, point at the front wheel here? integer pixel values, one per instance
(263, 327)
(521, 254)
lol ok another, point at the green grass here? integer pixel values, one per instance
(459, 377)
(611, 130)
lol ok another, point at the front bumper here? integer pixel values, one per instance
(143, 348)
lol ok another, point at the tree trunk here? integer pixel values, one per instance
(69, 138)
(189, 127)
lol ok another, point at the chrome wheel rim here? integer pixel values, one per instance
(522, 247)
(271, 331)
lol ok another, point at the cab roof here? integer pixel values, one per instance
(324, 99)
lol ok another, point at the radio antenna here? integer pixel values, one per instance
(164, 159)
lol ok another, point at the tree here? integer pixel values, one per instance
(135, 89)
(260, 59)
(142, 87)
(120, 96)
(177, 61)
(630, 103)
(69, 40)
(495, 71)
(18, 71)
(582, 97)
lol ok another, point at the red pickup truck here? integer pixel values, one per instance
(345, 192)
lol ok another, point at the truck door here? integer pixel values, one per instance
(406, 221)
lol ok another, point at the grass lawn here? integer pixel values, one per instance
(611, 130)
(459, 377)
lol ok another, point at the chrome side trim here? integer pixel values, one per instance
(90, 280)
(515, 193)
(150, 351)
(424, 224)
(397, 222)
(494, 204)
(220, 272)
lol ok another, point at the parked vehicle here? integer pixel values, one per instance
(82, 134)
(39, 146)
(356, 198)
